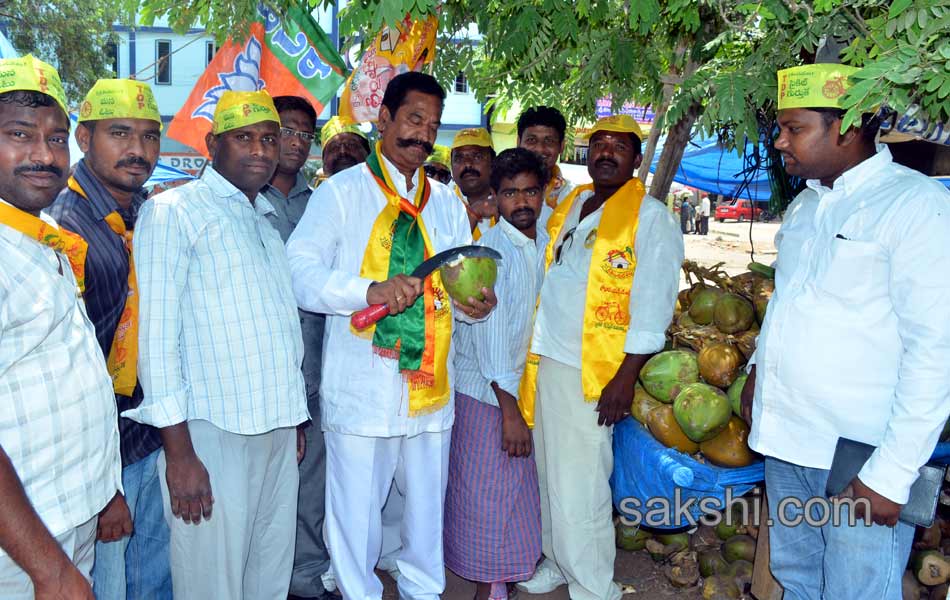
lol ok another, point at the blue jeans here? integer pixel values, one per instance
(829, 562)
(137, 566)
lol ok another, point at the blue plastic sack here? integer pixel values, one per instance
(647, 472)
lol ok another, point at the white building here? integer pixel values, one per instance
(172, 63)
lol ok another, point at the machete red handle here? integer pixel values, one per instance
(368, 316)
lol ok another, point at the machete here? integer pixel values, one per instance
(370, 315)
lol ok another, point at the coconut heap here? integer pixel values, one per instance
(689, 396)
(722, 555)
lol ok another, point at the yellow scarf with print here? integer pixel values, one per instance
(418, 338)
(553, 189)
(67, 243)
(124, 353)
(607, 304)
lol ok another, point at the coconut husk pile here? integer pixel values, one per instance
(928, 570)
(717, 559)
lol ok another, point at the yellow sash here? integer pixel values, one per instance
(607, 303)
(124, 353)
(72, 246)
(553, 189)
(429, 386)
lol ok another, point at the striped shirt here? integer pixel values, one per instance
(57, 409)
(107, 285)
(219, 335)
(495, 349)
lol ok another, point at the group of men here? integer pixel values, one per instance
(190, 413)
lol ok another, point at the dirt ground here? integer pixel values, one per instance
(728, 243)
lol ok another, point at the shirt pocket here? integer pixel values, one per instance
(856, 271)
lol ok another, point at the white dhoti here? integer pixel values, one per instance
(360, 472)
(575, 458)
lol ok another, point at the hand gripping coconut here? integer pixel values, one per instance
(465, 271)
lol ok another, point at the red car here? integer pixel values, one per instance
(740, 210)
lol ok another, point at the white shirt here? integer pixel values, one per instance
(58, 420)
(219, 334)
(362, 393)
(496, 348)
(857, 335)
(704, 206)
(559, 326)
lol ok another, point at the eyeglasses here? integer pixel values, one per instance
(568, 241)
(287, 132)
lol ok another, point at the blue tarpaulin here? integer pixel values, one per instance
(709, 167)
(647, 475)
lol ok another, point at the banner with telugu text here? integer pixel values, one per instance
(288, 56)
(407, 48)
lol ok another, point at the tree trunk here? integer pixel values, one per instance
(672, 153)
(654, 136)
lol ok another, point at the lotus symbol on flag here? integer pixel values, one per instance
(244, 78)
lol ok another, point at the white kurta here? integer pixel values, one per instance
(362, 393)
(857, 334)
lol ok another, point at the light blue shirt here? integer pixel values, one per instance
(219, 334)
(495, 349)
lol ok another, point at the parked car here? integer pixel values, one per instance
(740, 210)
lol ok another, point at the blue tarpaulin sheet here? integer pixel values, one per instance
(645, 470)
(709, 167)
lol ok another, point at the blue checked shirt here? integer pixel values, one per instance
(107, 285)
(219, 335)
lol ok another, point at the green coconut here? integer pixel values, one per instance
(703, 306)
(712, 563)
(733, 313)
(631, 537)
(739, 547)
(735, 394)
(702, 411)
(664, 375)
(642, 404)
(465, 279)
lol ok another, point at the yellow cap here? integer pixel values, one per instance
(335, 126)
(240, 109)
(30, 74)
(120, 99)
(813, 86)
(474, 136)
(441, 155)
(617, 123)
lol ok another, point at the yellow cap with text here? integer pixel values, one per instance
(473, 136)
(617, 124)
(240, 109)
(337, 125)
(30, 74)
(441, 155)
(120, 99)
(813, 86)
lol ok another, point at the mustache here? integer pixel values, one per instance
(133, 161)
(407, 142)
(39, 169)
(605, 161)
(526, 211)
(471, 170)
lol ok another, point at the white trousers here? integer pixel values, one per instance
(79, 544)
(360, 472)
(246, 550)
(575, 458)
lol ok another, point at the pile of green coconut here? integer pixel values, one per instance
(722, 555)
(928, 571)
(689, 395)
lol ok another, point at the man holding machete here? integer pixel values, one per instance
(387, 389)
